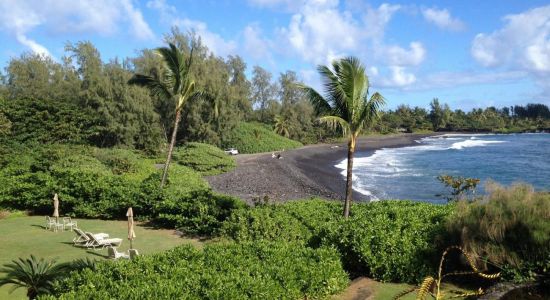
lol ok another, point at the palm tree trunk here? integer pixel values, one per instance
(349, 177)
(171, 148)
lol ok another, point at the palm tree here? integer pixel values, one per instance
(347, 106)
(281, 126)
(176, 85)
(36, 275)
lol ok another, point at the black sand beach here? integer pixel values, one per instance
(301, 173)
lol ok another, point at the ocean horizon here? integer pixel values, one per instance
(411, 172)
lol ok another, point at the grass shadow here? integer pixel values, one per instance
(97, 254)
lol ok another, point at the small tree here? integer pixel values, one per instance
(36, 275)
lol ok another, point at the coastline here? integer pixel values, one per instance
(306, 172)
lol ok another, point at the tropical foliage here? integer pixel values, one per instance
(509, 228)
(204, 158)
(35, 275)
(388, 240)
(259, 270)
(346, 106)
(175, 86)
(255, 138)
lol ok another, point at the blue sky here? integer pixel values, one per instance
(466, 53)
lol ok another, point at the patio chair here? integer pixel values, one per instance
(67, 222)
(114, 254)
(51, 223)
(95, 242)
(82, 239)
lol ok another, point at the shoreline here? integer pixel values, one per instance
(306, 172)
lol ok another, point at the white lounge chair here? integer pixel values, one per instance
(95, 242)
(67, 222)
(82, 239)
(51, 223)
(114, 254)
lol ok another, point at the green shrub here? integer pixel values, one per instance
(204, 158)
(259, 270)
(510, 227)
(199, 213)
(387, 240)
(255, 138)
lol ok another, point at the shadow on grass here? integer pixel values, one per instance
(97, 254)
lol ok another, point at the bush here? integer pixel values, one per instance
(204, 158)
(256, 138)
(261, 270)
(199, 213)
(387, 240)
(103, 183)
(510, 227)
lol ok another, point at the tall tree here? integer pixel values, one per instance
(347, 106)
(439, 114)
(176, 85)
(263, 90)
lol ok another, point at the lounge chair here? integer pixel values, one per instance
(95, 242)
(114, 254)
(82, 239)
(67, 222)
(52, 224)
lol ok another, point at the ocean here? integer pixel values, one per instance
(411, 172)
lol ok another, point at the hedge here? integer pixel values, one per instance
(387, 240)
(256, 270)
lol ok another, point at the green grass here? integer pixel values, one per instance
(23, 236)
(257, 138)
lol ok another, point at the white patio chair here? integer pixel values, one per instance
(67, 222)
(51, 223)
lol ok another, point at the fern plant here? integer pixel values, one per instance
(36, 275)
(432, 286)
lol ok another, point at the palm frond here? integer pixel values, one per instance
(371, 110)
(335, 122)
(157, 88)
(319, 103)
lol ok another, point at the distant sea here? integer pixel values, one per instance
(410, 172)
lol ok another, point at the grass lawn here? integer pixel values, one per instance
(23, 236)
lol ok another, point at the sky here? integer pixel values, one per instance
(466, 53)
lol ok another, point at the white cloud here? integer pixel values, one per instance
(399, 78)
(320, 30)
(215, 42)
(442, 18)
(61, 16)
(397, 56)
(34, 46)
(523, 42)
(254, 42)
(375, 20)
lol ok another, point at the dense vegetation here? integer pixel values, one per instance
(517, 118)
(103, 183)
(388, 240)
(203, 158)
(84, 100)
(255, 138)
(510, 229)
(258, 270)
